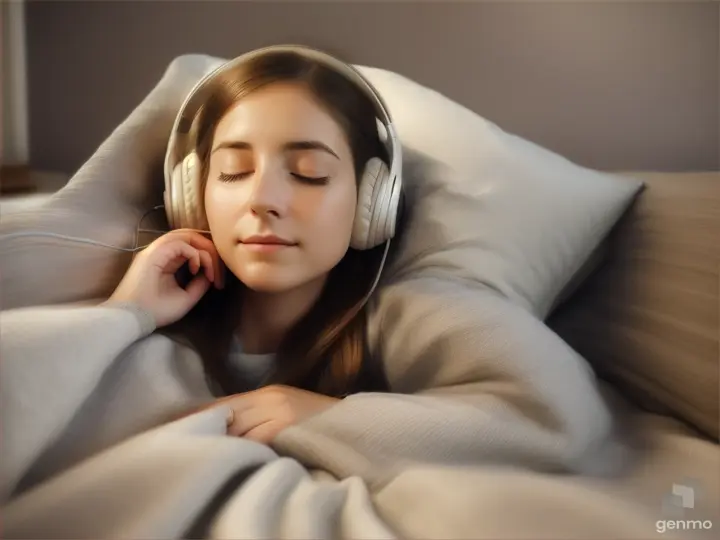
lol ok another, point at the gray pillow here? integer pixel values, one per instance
(103, 201)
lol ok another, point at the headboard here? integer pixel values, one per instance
(610, 85)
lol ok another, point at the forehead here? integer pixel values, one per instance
(281, 111)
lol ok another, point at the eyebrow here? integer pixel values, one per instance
(287, 147)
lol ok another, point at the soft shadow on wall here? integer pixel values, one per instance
(617, 86)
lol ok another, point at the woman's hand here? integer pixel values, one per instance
(262, 414)
(150, 281)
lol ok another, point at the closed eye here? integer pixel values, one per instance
(315, 180)
(223, 177)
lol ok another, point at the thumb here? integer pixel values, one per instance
(197, 288)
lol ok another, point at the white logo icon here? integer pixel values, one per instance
(684, 495)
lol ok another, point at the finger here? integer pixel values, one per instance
(265, 433)
(248, 419)
(202, 243)
(195, 239)
(194, 265)
(207, 265)
(175, 254)
(217, 266)
(197, 288)
(248, 413)
(236, 403)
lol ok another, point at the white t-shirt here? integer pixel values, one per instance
(253, 368)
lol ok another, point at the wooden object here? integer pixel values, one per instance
(16, 179)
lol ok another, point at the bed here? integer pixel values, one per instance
(624, 285)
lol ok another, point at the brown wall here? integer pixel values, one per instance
(610, 85)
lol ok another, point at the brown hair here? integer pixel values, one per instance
(323, 352)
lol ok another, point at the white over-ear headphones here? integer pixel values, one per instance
(379, 189)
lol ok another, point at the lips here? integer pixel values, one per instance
(267, 240)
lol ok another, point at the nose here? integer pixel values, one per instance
(270, 194)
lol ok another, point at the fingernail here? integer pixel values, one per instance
(230, 417)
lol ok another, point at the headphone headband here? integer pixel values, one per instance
(198, 95)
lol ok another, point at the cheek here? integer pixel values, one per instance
(221, 211)
(333, 220)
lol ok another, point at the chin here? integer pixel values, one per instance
(278, 280)
(267, 286)
(266, 282)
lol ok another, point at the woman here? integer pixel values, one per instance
(477, 383)
(282, 142)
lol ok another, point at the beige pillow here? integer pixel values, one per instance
(483, 205)
(649, 319)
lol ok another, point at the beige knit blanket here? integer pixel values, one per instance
(496, 433)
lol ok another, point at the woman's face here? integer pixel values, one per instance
(281, 194)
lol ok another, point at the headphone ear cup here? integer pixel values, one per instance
(373, 205)
(173, 196)
(188, 205)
